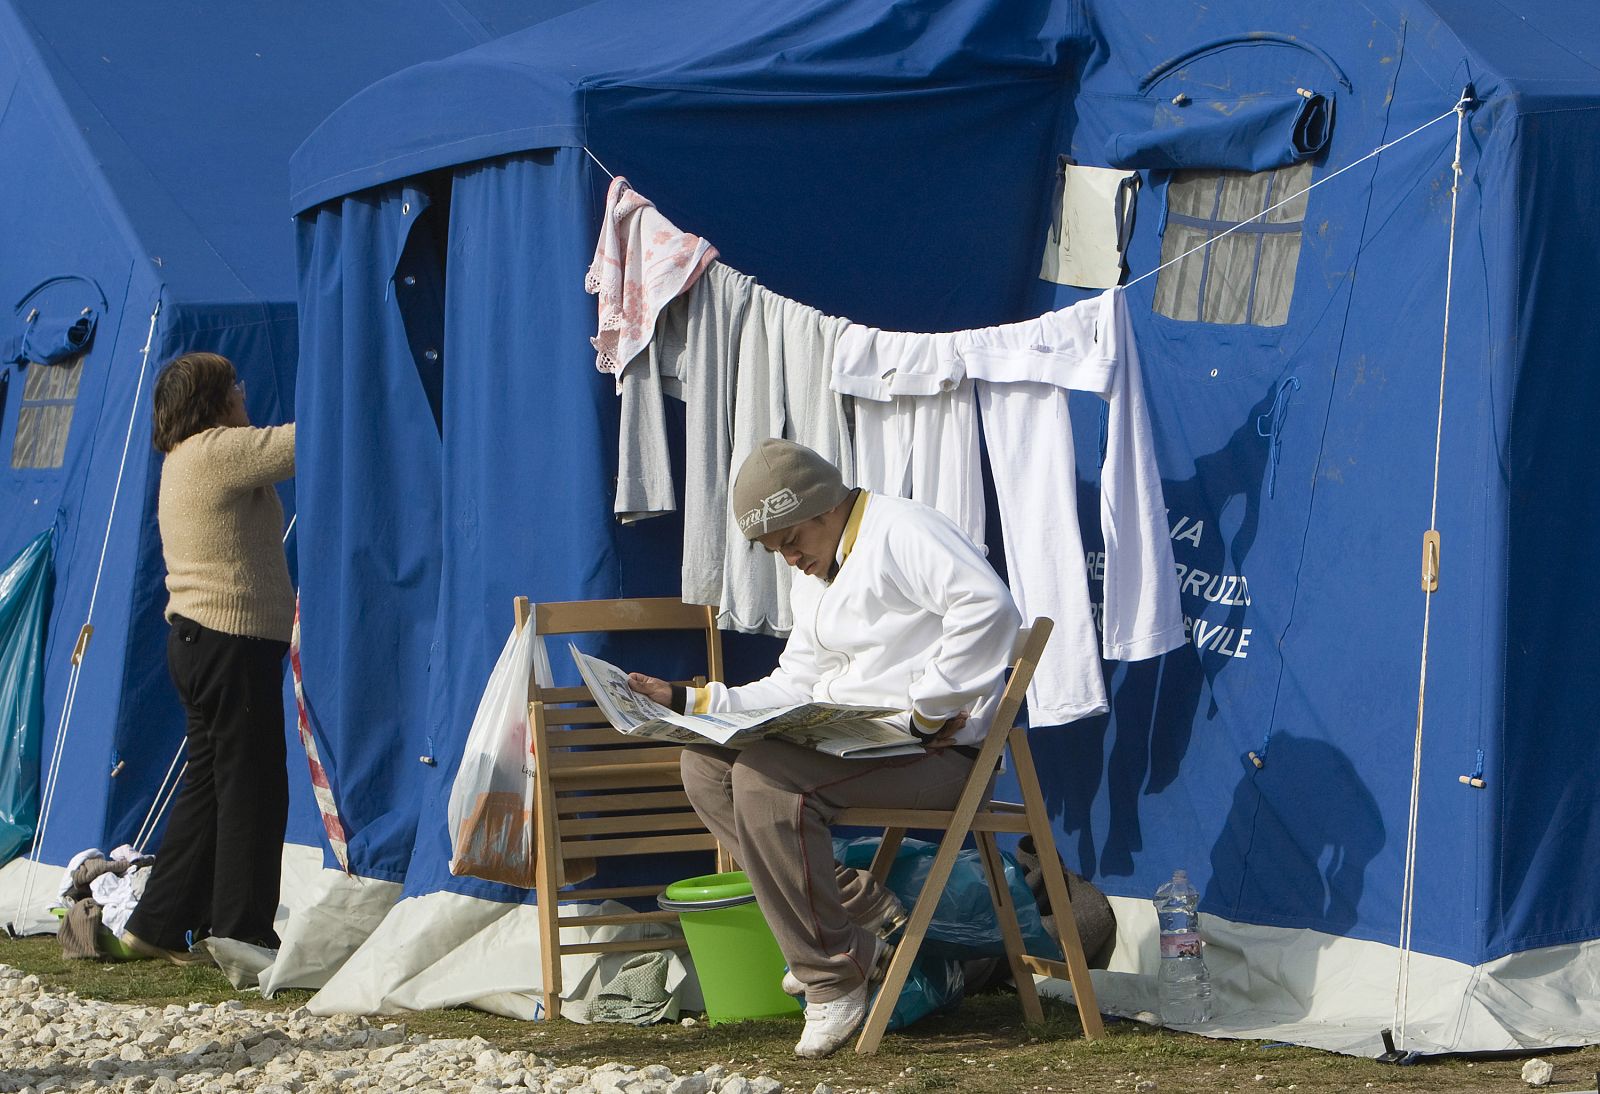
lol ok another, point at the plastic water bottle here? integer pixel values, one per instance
(1185, 985)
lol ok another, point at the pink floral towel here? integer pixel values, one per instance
(641, 263)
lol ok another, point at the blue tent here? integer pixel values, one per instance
(145, 216)
(897, 163)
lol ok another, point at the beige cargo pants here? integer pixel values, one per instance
(770, 804)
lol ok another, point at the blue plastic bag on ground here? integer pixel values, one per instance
(24, 598)
(964, 924)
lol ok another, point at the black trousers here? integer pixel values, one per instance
(218, 866)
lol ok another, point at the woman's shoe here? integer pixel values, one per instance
(141, 948)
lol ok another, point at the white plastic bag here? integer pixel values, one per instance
(491, 802)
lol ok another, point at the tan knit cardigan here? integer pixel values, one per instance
(222, 530)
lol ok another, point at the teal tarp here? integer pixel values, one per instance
(24, 597)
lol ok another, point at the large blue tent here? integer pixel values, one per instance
(144, 215)
(896, 163)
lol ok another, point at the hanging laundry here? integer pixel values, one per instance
(750, 364)
(727, 343)
(641, 263)
(916, 421)
(1024, 371)
(785, 354)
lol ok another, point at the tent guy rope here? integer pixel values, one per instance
(81, 648)
(1430, 583)
(1382, 148)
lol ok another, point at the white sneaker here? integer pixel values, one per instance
(829, 1025)
(882, 953)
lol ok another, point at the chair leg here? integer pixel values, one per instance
(905, 954)
(547, 891)
(550, 953)
(883, 858)
(1055, 884)
(1005, 912)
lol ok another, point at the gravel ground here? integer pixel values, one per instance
(61, 1042)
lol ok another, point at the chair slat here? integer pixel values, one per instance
(616, 777)
(617, 919)
(590, 737)
(569, 804)
(684, 821)
(643, 614)
(621, 892)
(560, 695)
(560, 761)
(638, 845)
(867, 817)
(581, 717)
(637, 945)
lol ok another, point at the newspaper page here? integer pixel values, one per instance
(861, 732)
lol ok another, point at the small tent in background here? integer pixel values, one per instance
(897, 163)
(143, 215)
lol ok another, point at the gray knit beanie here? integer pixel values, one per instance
(781, 484)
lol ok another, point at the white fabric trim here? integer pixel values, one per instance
(445, 949)
(1319, 990)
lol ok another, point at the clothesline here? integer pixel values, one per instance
(596, 159)
(1382, 148)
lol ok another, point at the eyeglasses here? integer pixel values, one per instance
(238, 385)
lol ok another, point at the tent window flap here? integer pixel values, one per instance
(1248, 276)
(44, 417)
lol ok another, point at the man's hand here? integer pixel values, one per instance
(651, 688)
(947, 732)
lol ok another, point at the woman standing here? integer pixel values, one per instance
(231, 607)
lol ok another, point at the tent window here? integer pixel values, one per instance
(1247, 277)
(44, 417)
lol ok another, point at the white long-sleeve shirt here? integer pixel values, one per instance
(915, 618)
(1024, 371)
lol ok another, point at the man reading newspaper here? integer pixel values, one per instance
(895, 608)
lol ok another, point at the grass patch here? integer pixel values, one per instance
(983, 1047)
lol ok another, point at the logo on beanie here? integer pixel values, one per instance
(774, 505)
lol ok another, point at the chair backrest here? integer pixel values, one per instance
(603, 793)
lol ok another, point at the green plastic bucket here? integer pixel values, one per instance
(740, 965)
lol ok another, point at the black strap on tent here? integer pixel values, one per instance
(47, 282)
(1247, 38)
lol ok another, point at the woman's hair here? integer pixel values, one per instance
(191, 395)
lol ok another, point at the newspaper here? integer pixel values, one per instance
(845, 731)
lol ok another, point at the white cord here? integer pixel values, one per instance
(1278, 205)
(1408, 888)
(159, 807)
(81, 650)
(158, 802)
(596, 159)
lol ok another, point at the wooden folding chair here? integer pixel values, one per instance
(600, 794)
(976, 812)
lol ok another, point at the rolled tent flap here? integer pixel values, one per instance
(1254, 133)
(48, 337)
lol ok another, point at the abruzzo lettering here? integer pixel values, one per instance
(1225, 590)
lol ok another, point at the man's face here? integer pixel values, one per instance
(809, 546)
